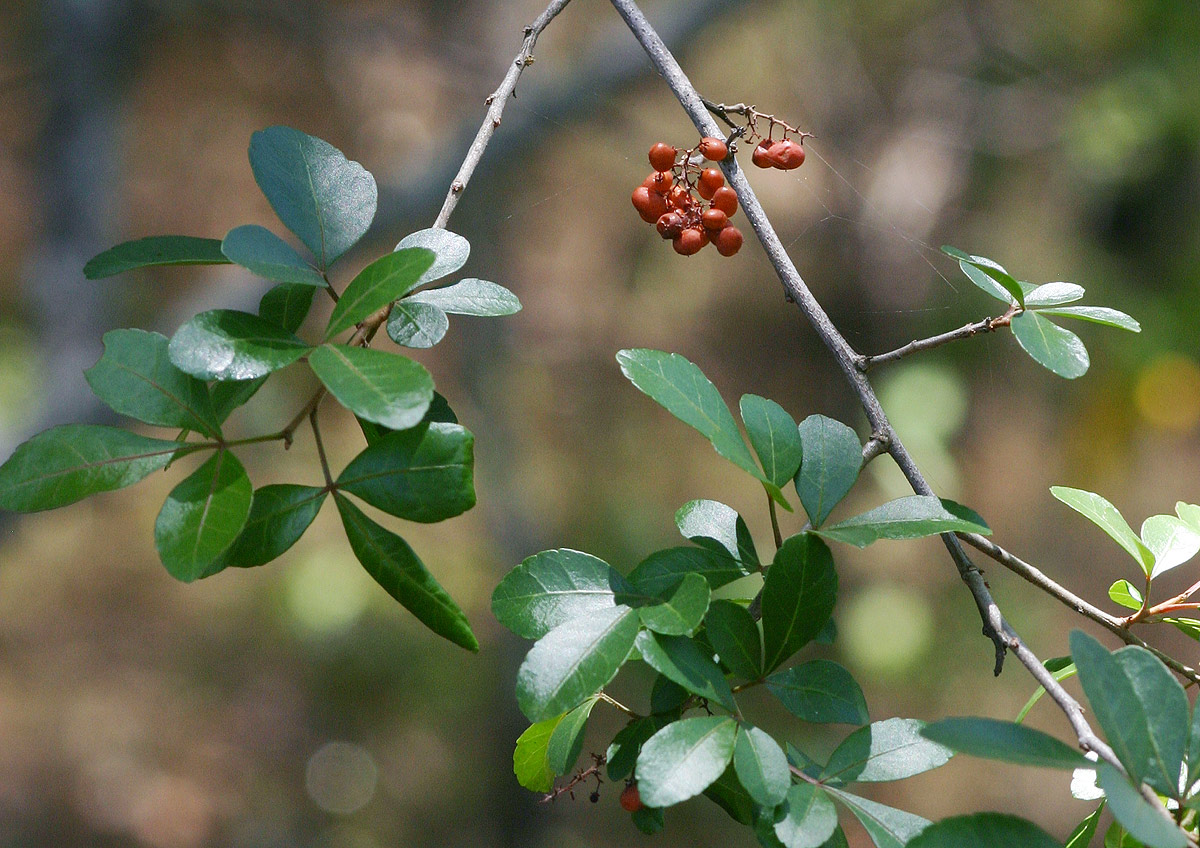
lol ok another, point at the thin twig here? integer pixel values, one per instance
(987, 325)
(312, 419)
(608, 699)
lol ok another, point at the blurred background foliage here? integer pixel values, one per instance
(295, 704)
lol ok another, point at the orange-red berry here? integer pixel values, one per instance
(762, 154)
(728, 241)
(710, 180)
(631, 799)
(786, 154)
(662, 157)
(714, 219)
(713, 149)
(691, 240)
(670, 225)
(725, 199)
(660, 181)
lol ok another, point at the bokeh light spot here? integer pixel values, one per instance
(886, 629)
(1167, 393)
(341, 777)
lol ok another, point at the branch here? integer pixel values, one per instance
(987, 325)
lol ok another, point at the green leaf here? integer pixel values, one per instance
(684, 758)
(575, 661)
(810, 819)
(885, 750)
(1081, 836)
(416, 325)
(552, 587)
(261, 251)
(287, 305)
(1050, 346)
(1140, 706)
(623, 751)
(1061, 668)
(887, 826)
(1193, 755)
(1053, 294)
(203, 516)
(762, 767)
(471, 297)
(774, 437)
(683, 390)
(649, 820)
(1097, 315)
(566, 741)
(1105, 516)
(832, 459)
(911, 517)
(386, 388)
(320, 195)
(992, 269)
(728, 793)
(666, 696)
(423, 474)
(1126, 594)
(153, 251)
(734, 635)
(439, 412)
(279, 515)
(986, 283)
(396, 567)
(1189, 627)
(682, 608)
(1171, 541)
(228, 345)
(984, 830)
(797, 597)
(1004, 740)
(714, 525)
(230, 394)
(531, 763)
(136, 378)
(451, 249)
(1135, 813)
(678, 659)
(67, 463)
(377, 285)
(820, 691)
(660, 571)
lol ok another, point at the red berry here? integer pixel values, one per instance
(762, 154)
(715, 220)
(650, 205)
(631, 799)
(679, 198)
(641, 199)
(659, 181)
(786, 155)
(691, 240)
(728, 241)
(713, 149)
(725, 199)
(662, 157)
(670, 225)
(710, 180)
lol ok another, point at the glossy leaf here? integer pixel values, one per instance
(203, 516)
(67, 463)
(623, 751)
(762, 767)
(396, 567)
(820, 691)
(135, 377)
(416, 325)
(1081, 836)
(575, 661)
(684, 758)
(471, 297)
(810, 819)
(661, 570)
(259, 250)
(1135, 813)
(714, 525)
(992, 269)
(774, 437)
(797, 597)
(681, 609)
(228, 345)
(386, 388)
(423, 474)
(887, 826)
(832, 459)
(439, 412)
(1050, 346)
(1097, 315)
(566, 742)
(531, 763)
(552, 587)
(1053, 294)
(1004, 740)
(287, 305)
(984, 830)
(885, 750)
(384, 280)
(1105, 516)
(450, 248)
(679, 660)
(1126, 594)
(279, 515)
(320, 195)
(1189, 627)
(912, 517)
(986, 283)
(1171, 541)
(1189, 514)
(154, 251)
(734, 635)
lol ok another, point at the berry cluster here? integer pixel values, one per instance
(687, 202)
(783, 154)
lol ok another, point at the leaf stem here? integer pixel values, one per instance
(604, 696)
(312, 419)
(774, 522)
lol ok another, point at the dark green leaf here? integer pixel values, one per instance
(423, 474)
(682, 608)
(67, 463)
(278, 518)
(649, 820)
(531, 763)
(155, 250)
(797, 597)
(451, 249)
(552, 587)
(678, 659)
(287, 305)
(911, 517)
(1098, 315)
(887, 826)
(1193, 756)
(267, 255)
(386, 388)
(471, 297)
(1053, 294)
(728, 793)
(684, 758)
(1126, 594)
(230, 394)
(1143, 821)
(666, 696)
(575, 661)
(714, 525)
(567, 739)
(1105, 516)
(377, 285)
(136, 378)
(1081, 836)
(774, 437)
(832, 459)
(228, 345)
(885, 750)
(660, 571)
(416, 325)
(1004, 740)
(762, 768)
(984, 830)
(203, 516)
(622, 753)
(992, 269)
(320, 195)
(1052, 347)
(810, 819)
(734, 635)
(820, 691)
(439, 412)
